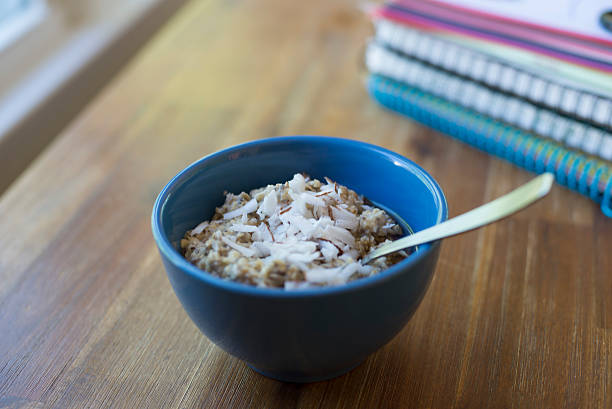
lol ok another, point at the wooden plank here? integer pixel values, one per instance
(518, 313)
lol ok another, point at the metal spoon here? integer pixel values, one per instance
(480, 216)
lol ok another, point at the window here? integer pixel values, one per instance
(17, 17)
(59, 53)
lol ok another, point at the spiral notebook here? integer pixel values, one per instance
(590, 176)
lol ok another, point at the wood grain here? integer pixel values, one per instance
(518, 314)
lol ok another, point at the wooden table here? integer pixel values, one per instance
(519, 314)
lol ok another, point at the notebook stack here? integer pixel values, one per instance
(526, 83)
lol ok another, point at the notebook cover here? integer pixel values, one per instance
(588, 51)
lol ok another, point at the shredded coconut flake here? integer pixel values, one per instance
(296, 235)
(243, 250)
(329, 250)
(269, 204)
(249, 207)
(247, 228)
(344, 218)
(298, 183)
(338, 235)
(312, 199)
(297, 285)
(199, 228)
(322, 275)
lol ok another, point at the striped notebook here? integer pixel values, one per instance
(563, 29)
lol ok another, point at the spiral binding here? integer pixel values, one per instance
(586, 175)
(508, 105)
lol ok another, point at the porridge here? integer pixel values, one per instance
(299, 234)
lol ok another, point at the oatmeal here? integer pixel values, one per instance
(299, 234)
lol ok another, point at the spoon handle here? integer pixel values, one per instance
(497, 209)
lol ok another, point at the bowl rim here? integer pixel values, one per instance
(174, 257)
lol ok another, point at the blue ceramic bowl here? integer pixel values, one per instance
(306, 335)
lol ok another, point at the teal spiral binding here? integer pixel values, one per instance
(588, 176)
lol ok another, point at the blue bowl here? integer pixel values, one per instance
(304, 335)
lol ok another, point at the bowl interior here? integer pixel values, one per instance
(382, 176)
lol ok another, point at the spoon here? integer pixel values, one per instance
(488, 213)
